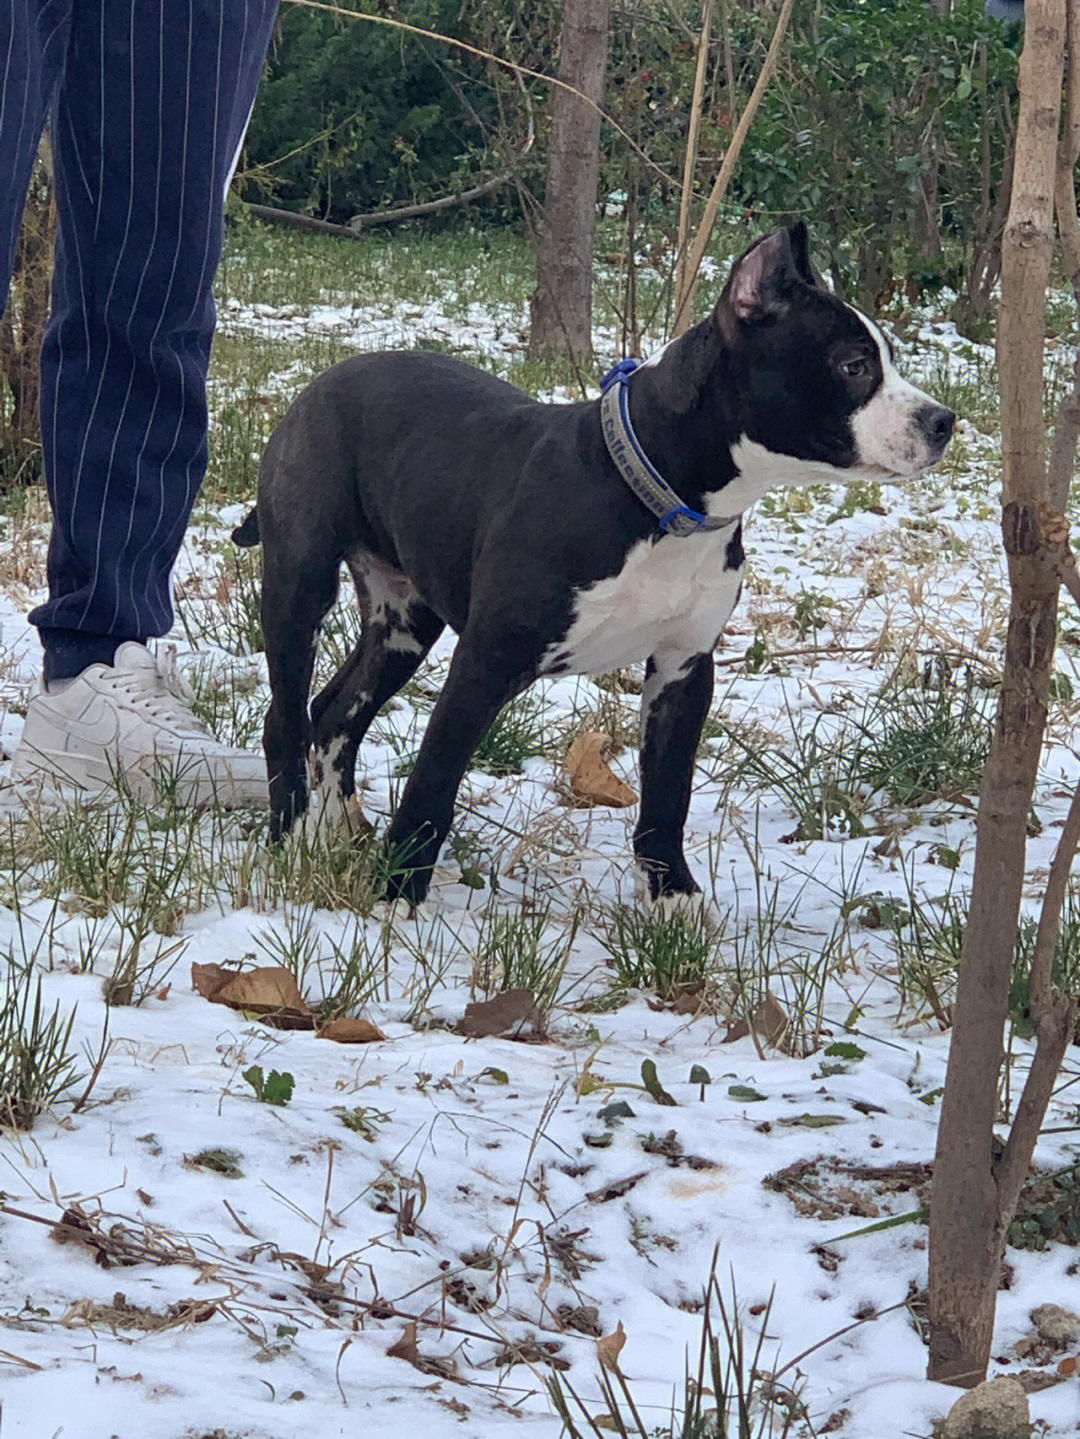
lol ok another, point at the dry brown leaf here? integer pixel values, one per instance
(207, 979)
(269, 987)
(406, 1346)
(689, 1000)
(269, 990)
(610, 1347)
(509, 1010)
(770, 1020)
(592, 780)
(1068, 1366)
(351, 1031)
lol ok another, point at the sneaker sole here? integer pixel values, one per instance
(149, 780)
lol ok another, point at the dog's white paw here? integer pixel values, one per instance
(395, 912)
(692, 909)
(330, 817)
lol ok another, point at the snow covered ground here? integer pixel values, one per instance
(488, 1206)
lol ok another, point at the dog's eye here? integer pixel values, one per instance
(854, 369)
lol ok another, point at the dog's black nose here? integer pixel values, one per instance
(936, 423)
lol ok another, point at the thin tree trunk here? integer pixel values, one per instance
(973, 1201)
(561, 305)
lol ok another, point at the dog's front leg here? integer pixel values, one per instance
(472, 696)
(674, 702)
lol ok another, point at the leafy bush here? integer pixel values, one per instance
(889, 125)
(355, 115)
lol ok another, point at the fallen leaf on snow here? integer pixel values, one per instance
(351, 1031)
(406, 1348)
(265, 991)
(617, 1188)
(770, 1021)
(509, 1010)
(610, 1347)
(592, 780)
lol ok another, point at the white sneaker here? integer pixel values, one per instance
(133, 719)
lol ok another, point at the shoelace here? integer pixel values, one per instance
(162, 693)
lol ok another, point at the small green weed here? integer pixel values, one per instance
(229, 617)
(928, 938)
(144, 958)
(354, 973)
(225, 1162)
(671, 954)
(861, 496)
(931, 740)
(773, 983)
(820, 775)
(272, 1088)
(1065, 967)
(36, 1069)
(522, 949)
(298, 948)
(970, 388)
(516, 735)
(907, 744)
(362, 1119)
(324, 871)
(811, 612)
(231, 707)
(1048, 1210)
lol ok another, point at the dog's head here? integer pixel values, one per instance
(814, 383)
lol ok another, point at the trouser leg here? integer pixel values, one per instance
(33, 39)
(150, 113)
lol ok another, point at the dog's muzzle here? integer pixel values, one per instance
(936, 424)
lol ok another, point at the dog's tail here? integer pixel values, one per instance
(246, 535)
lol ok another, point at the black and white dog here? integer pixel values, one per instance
(454, 499)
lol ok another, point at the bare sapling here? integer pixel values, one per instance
(975, 1194)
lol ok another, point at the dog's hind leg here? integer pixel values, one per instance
(295, 600)
(398, 631)
(674, 702)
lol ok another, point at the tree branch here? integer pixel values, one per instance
(684, 301)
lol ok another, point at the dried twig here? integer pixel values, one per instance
(684, 301)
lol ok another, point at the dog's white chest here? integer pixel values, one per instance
(672, 597)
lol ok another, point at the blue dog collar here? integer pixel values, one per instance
(634, 465)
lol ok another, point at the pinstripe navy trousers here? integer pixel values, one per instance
(149, 100)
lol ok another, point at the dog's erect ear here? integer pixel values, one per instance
(799, 239)
(757, 288)
(799, 236)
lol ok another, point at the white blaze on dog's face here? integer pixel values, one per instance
(817, 395)
(900, 430)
